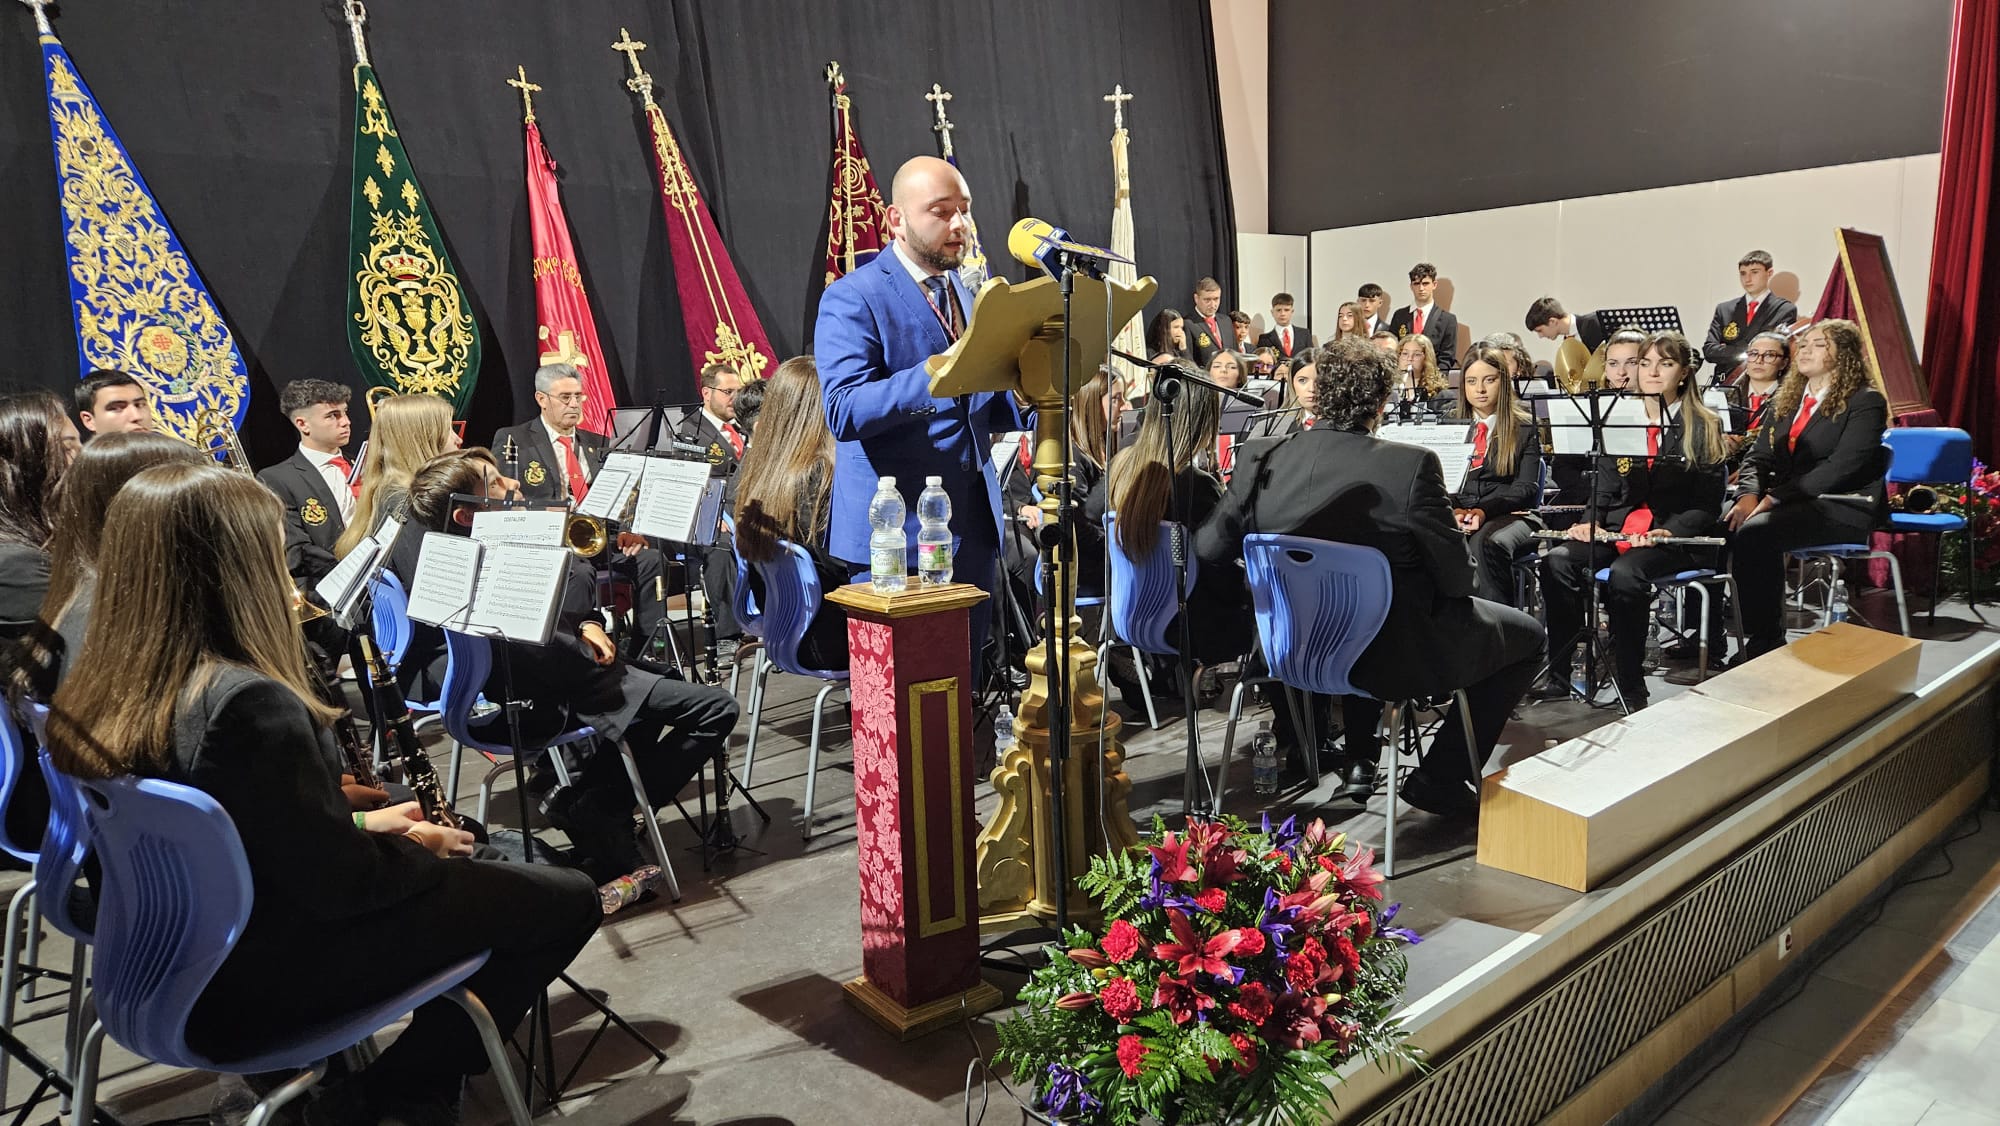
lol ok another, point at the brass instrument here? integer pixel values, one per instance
(1576, 368)
(1914, 500)
(586, 535)
(215, 435)
(374, 396)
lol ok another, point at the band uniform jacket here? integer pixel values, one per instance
(312, 516)
(1499, 496)
(697, 430)
(1590, 330)
(1354, 488)
(1685, 499)
(1834, 454)
(1440, 325)
(1729, 336)
(1204, 343)
(1301, 340)
(538, 464)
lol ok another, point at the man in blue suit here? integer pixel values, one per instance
(877, 327)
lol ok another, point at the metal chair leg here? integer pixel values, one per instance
(1229, 740)
(1896, 580)
(1471, 740)
(453, 775)
(1937, 572)
(10, 969)
(652, 821)
(267, 1108)
(496, 1054)
(1701, 633)
(1392, 738)
(812, 751)
(83, 1104)
(757, 679)
(1146, 687)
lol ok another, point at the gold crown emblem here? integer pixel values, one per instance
(405, 267)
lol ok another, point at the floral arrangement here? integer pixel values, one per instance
(1981, 505)
(1239, 969)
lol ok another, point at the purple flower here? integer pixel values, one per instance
(1404, 933)
(1068, 1091)
(1285, 835)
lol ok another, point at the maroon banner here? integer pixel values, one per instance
(565, 330)
(857, 223)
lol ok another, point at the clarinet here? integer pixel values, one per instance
(394, 712)
(360, 762)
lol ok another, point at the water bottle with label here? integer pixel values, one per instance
(889, 545)
(1264, 761)
(933, 534)
(1836, 602)
(1003, 732)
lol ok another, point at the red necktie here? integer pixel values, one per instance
(573, 469)
(1309, 422)
(1416, 322)
(1214, 333)
(1288, 341)
(1479, 445)
(1799, 420)
(1750, 311)
(1652, 442)
(346, 467)
(1757, 403)
(735, 437)
(1640, 520)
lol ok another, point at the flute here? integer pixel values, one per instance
(1616, 537)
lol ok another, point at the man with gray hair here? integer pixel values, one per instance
(555, 460)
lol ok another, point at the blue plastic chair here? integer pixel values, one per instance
(1931, 455)
(1678, 584)
(1140, 602)
(175, 894)
(791, 601)
(749, 616)
(1319, 605)
(468, 662)
(14, 758)
(58, 872)
(1834, 554)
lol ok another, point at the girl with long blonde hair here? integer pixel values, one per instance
(405, 432)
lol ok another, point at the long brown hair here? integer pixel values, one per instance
(1360, 322)
(1850, 372)
(197, 556)
(1141, 482)
(786, 480)
(1701, 430)
(33, 456)
(444, 476)
(407, 431)
(1503, 445)
(1088, 418)
(93, 479)
(1428, 380)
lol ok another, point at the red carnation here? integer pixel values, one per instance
(1121, 941)
(1121, 1000)
(1213, 900)
(1247, 1049)
(1249, 942)
(1130, 1052)
(1350, 959)
(1302, 972)
(1252, 1004)
(1284, 861)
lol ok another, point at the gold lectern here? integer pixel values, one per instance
(1016, 343)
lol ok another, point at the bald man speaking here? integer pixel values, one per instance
(876, 327)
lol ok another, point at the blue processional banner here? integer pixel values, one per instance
(139, 304)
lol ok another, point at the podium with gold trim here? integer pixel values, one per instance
(910, 674)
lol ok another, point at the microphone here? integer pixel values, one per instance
(1047, 247)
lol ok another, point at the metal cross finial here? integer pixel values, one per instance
(834, 77)
(357, 16)
(41, 15)
(1118, 97)
(938, 97)
(528, 91)
(640, 82)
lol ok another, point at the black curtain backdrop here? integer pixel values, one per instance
(239, 114)
(1460, 106)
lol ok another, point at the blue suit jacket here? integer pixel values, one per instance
(875, 331)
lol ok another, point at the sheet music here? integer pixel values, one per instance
(339, 587)
(1624, 433)
(1625, 427)
(1447, 440)
(670, 496)
(1717, 399)
(447, 574)
(540, 526)
(519, 588)
(606, 498)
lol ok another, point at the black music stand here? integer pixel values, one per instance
(1645, 318)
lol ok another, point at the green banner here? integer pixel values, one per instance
(408, 321)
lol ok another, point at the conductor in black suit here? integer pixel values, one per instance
(1740, 318)
(314, 484)
(1549, 320)
(713, 428)
(1289, 339)
(1422, 317)
(1337, 481)
(555, 460)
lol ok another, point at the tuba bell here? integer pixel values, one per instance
(1915, 500)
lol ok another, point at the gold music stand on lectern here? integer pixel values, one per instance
(1016, 343)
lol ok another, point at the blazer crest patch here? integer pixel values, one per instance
(535, 474)
(313, 512)
(1731, 332)
(1204, 340)
(715, 454)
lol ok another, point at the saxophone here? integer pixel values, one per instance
(393, 712)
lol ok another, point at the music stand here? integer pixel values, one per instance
(1645, 318)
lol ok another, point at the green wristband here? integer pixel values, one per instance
(361, 821)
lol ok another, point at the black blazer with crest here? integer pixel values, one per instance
(312, 517)
(540, 464)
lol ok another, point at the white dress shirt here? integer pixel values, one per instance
(555, 444)
(336, 479)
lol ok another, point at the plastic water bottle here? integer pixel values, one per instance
(888, 547)
(1264, 761)
(933, 534)
(1003, 732)
(1836, 602)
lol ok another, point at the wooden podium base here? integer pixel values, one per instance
(908, 1024)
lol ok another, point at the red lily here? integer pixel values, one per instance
(1180, 998)
(1172, 856)
(1191, 953)
(1357, 874)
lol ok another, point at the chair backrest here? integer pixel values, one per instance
(390, 609)
(749, 616)
(174, 895)
(1319, 604)
(65, 848)
(13, 761)
(1139, 592)
(1929, 454)
(468, 661)
(791, 601)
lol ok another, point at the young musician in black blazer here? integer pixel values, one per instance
(205, 622)
(554, 459)
(1505, 478)
(1651, 501)
(1289, 339)
(1740, 319)
(1437, 324)
(313, 482)
(1823, 437)
(1337, 481)
(1549, 320)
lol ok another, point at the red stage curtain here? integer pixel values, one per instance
(1962, 362)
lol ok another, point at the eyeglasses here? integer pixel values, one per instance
(572, 399)
(1762, 355)
(729, 394)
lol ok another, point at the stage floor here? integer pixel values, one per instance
(740, 982)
